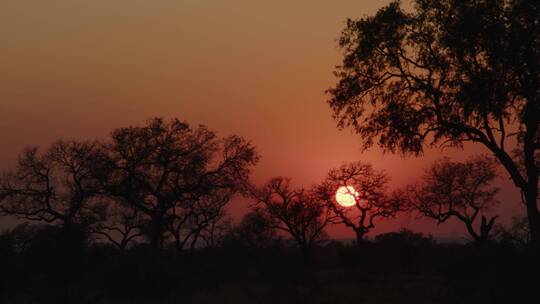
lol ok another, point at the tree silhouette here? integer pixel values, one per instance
(298, 212)
(446, 73)
(255, 230)
(173, 174)
(216, 230)
(56, 186)
(405, 237)
(458, 190)
(187, 222)
(255, 235)
(517, 234)
(370, 200)
(18, 239)
(122, 226)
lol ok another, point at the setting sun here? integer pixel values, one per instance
(346, 196)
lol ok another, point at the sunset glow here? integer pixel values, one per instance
(270, 151)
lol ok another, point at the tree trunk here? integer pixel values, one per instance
(532, 215)
(360, 237)
(306, 256)
(193, 242)
(156, 230)
(123, 246)
(67, 227)
(485, 228)
(531, 190)
(471, 231)
(178, 244)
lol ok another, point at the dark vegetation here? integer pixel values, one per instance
(141, 217)
(44, 265)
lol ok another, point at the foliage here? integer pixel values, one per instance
(446, 73)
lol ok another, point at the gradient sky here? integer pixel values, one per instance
(80, 68)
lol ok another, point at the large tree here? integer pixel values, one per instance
(171, 173)
(445, 73)
(460, 190)
(58, 185)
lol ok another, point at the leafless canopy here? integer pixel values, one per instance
(298, 212)
(460, 190)
(56, 186)
(177, 176)
(122, 225)
(371, 200)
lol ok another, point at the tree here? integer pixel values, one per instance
(298, 212)
(18, 239)
(517, 234)
(187, 223)
(56, 186)
(370, 199)
(167, 170)
(447, 73)
(122, 226)
(255, 238)
(460, 190)
(216, 231)
(255, 230)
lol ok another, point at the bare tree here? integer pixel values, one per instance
(187, 222)
(57, 186)
(255, 230)
(123, 225)
(299, 212)
(460, 190)
(163, 169)
(369, 198)
(217, 229)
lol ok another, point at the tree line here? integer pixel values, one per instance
(161, 180)
(167, 184)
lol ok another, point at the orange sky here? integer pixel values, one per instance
(79, 68)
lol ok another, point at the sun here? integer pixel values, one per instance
(346, 196)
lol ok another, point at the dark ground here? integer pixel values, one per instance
(393, 270)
